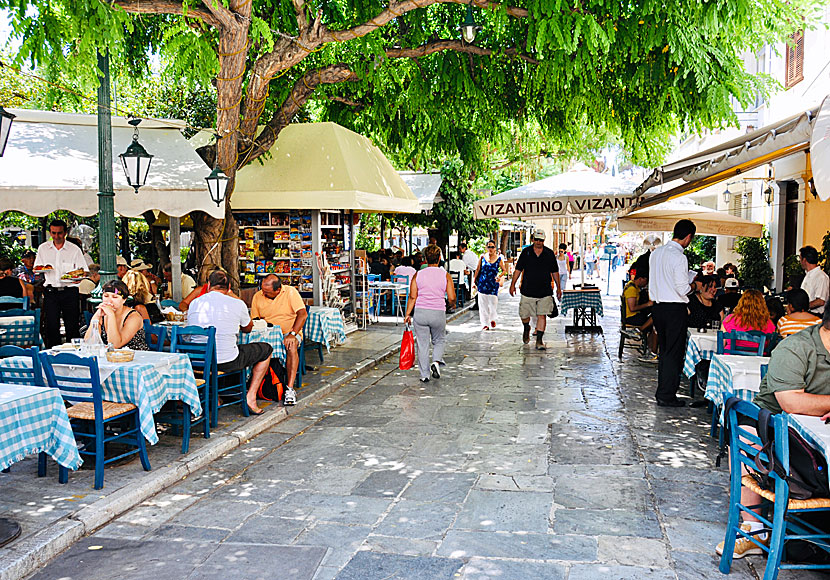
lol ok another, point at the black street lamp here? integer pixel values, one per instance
(135, 160)
(469, 28)
(217, 183)
(6, 119)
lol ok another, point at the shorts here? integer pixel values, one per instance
(530, 307)
(639, 319)
(249, 355)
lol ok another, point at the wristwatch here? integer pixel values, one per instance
(292, 333)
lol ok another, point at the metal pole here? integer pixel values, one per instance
(106, 196)
(175, 258)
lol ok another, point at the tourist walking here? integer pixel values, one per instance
(427, 291)
(487, 279)
(539, 272)
(669, 284)
(562, 264)
(590, 261)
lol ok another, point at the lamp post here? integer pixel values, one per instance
(469, 28)
(6, 119)
(106, 196)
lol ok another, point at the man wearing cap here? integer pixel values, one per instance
(539, 272)
(60, 297)
(140, 266)
(729, 298)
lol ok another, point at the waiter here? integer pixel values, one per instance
(60, 297)
(668, 285)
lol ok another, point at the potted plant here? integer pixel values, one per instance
(754, 270)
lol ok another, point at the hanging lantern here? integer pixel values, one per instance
(727, 195)
(135, 160)
(217, 183)
(469, 28)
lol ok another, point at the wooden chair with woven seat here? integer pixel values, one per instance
(199, 344)
(92, 417)
(745, 447)
(32, 376)
(630, 336)
(156, 335)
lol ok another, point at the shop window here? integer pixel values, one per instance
(795, 59)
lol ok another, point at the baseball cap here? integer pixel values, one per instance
(139, 265)
(28, 254)
(120, 261)
(731, 283)
(539, 235)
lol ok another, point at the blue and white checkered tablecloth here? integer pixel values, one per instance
(148, 381)
(324, 324)
(272, 335)
(581, 299)
(15, 322)
(739, 375)
(34, 419)
(699, 347)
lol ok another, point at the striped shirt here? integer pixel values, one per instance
(788, 326)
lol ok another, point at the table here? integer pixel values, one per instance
(586, 304)
(389, 287)
(272, 335)
(736, 374)
(148, 381)
(324, 324)
(34, 419)
(700, 346)
(813, 430)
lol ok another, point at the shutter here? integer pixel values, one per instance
(794, 59)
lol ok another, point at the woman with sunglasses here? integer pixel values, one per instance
(487, 279)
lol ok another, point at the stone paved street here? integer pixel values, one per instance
(516, 464)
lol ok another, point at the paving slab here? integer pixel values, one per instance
(382, 566)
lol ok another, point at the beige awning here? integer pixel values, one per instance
(661, 218)
(51, 163)
(323, 166)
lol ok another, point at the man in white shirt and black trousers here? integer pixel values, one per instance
(60, 297)
(668, 285)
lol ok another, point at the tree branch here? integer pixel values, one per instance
(167, 7)
(225, 16)
(299, 10)
(396, 9)
(454, 45)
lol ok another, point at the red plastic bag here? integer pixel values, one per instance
(407, 360)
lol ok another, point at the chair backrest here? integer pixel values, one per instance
(400, 279)
(202, 353)
(168, 303)
(753, 342)
(155, 331)
(744, 445)
(74, 388)
(764, 369)
(21, 376)
(23, 333)
(373, 277)
(23, 302)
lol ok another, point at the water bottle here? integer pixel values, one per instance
(93, 344)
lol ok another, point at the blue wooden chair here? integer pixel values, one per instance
(460, 287)
(19, 302)
(785, 525)
(156, 335)
(167, 303)
(202, 353)
(24, 333)
(92, 417)
(307, 346)
(24, 376)
(757, 339)
(396, 297)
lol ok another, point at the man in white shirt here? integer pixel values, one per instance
(668, 285)
(60, 297)
(229, 316)
(470, 259)
(816, 283)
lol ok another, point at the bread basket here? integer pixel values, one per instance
(176, 316)
(120, 355)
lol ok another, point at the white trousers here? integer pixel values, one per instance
(488, 304)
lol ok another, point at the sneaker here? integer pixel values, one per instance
(425, 380)
(526, 334)
(493, 323)
(436, 370)
(441, 363)
(486, 328)
(745, 546)
(650, 358)
(290, 397)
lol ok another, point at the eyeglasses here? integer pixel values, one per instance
(491, 247)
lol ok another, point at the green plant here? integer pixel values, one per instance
(792, 268)
(754, 270)
(367, 230)
(701, 250)
(824, 253)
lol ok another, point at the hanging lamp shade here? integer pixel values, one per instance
(217, 183)
(135, 160)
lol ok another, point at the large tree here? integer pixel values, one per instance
(399, 71)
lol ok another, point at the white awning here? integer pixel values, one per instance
(576, 192)
(51, 163)
(425, 186)
(662, 217)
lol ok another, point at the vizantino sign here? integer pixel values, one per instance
(601, 204)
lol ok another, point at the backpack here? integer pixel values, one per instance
(272, 386)
(808, 468)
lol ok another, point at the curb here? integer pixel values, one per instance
(27, 556)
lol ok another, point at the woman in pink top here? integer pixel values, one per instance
(750, 314)
(426, 299)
